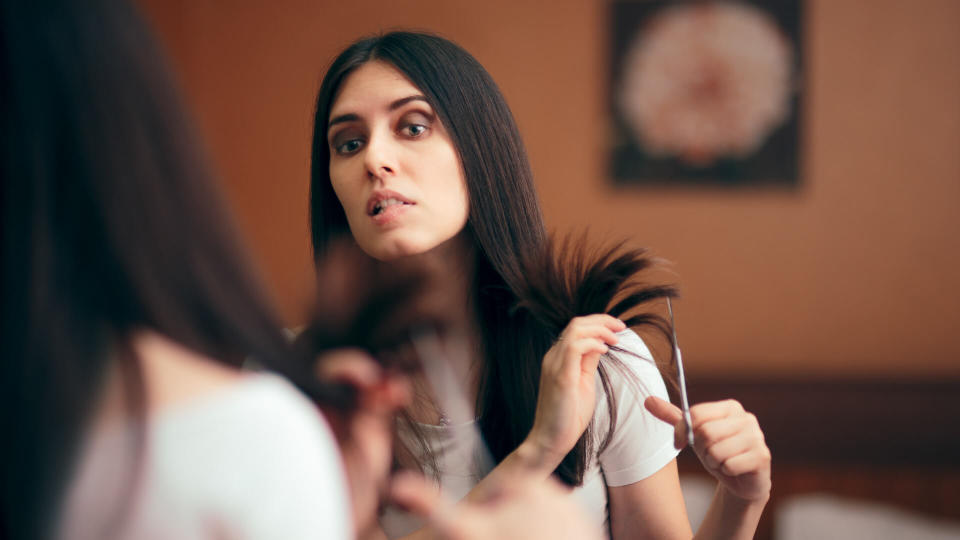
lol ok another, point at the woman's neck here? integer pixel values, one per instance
(172, 375)
(459, 347)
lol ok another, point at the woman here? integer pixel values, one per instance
(128, 308)
(414, 151)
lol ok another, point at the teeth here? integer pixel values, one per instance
(384, 204)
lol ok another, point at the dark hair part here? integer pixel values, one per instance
(505, 221)
(111, 223)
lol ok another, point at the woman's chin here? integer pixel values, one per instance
(391, 251)
(396, 246)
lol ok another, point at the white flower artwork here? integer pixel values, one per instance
(705, 85)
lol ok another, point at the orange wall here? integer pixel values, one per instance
(856, 272)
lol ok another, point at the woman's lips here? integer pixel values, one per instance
(383, 198)
(385, 206)
(390, 213)
(382, 205)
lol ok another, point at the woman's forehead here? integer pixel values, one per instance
(370, 87)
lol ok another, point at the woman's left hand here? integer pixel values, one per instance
(567, 397)
(728, 441)
(365, 434)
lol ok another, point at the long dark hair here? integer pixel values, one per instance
(111, 223)
(505, 224)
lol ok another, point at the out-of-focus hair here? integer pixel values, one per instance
(379, 307)
(111, 222)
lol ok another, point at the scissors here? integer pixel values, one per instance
(683, 383)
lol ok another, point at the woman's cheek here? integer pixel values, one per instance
(347, 200)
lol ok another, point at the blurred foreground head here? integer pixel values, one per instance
(111, 222)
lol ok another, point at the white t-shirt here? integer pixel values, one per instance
(640, 446)
(254, 460)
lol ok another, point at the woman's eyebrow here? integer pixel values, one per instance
(349, 117)
(403, 101)
(394, 105)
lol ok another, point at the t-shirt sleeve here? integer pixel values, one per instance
(264, 465)
(641, 444)
(303, 487)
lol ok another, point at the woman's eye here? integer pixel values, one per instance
(414, 130)
(349, 147)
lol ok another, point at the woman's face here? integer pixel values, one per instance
(393, 165)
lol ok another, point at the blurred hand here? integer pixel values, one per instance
(567, 396)
(365, 434)
(523, 508)
(728, 441)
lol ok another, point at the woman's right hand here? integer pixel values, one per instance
(365, 434)
(523, 508)
(567, 396)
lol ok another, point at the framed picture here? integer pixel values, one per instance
(706, 92)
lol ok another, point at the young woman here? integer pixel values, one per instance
(414, 151)
(128, 307)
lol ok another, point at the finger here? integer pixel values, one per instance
(575, 358)
(713, 410)
(384, 398)
(714, 455)
(756, 460)
(586, 345)
(671, 414)
(416, 494)
(714, 431)
(352, 366)
(601, 332)
(397, 392)
(570, 341)
(603, 319)
(589, 363)
(576, 344)
(664, 410)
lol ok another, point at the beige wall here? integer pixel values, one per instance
(856, 272)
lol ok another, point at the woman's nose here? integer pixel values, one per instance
(379, 159)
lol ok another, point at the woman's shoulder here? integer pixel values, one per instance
(182, 383)
(631, 340)
(174, 374)
(632, 375)
(215, 457)
(632, 352)
(640, 444)
(261, 417)
(256, 440)
(195, 398)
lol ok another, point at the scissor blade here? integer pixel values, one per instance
(684, 402)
